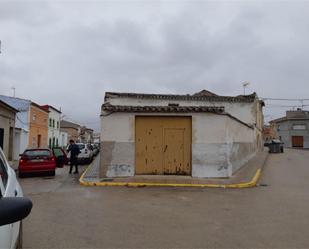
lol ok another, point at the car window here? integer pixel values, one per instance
(33, 153)
(81, 146)
(3, 173)
(58, 152)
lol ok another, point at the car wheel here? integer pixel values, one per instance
(19, 242)
(53, 173)
(20, 175)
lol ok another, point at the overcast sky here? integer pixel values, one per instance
(68, 53)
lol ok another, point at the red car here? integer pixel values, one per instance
(41, 161)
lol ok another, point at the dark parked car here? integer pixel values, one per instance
(61, 157)
(96, 149)
(275, 146)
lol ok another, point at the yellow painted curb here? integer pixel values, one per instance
(249, 184)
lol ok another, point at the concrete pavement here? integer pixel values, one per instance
(66, 214)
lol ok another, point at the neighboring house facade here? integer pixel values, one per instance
(86, 135)
(96, 138)
(72, 129)
(201, 135)
(38, 126)
(21, 136)
(7, 129)
(293, 129)
(53, 126)
(270, 132)
(63, 142)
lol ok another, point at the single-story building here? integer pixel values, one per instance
(200, 135)
(22, 120)
(7, 128)
(270, 132)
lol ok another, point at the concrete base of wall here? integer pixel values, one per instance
(213, 160)
(240, 154)
(117, 159)
(210, 160)
(220, 160)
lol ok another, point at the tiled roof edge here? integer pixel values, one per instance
(164, 109)
(169, 109)
(8, 106)
(241, 98)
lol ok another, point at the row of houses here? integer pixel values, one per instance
(26, 124)
(78, 133)
(292, 129)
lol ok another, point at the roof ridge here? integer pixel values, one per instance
(8, 106)
(11, 97)
(239, 98)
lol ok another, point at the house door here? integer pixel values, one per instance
(39, 141)
(11, 141)
(298, 141)
(1, 137)
(173, 151)
(163, 145)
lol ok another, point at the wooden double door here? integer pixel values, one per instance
(163, 145)
(298, 141)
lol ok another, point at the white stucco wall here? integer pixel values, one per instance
(54, 132)
(242, 111)
(218, 144)
(63, 141)
(20, 142)
(118, 127)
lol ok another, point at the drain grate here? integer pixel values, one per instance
(263, 185)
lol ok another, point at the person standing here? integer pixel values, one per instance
(74, 149)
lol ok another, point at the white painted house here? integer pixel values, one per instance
(201, 135)
(21, 136)
(54, 116)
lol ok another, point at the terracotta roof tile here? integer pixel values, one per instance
(169, 109)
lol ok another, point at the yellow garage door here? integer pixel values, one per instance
(163, 145)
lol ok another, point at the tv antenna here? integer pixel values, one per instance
(245, 84)
(13, 88)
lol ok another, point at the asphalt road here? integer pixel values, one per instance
(67, 215)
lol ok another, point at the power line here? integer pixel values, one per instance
(287, 106)
(284, 99)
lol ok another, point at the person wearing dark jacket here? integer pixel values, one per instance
(74, 149)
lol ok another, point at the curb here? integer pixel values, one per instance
(250, 184)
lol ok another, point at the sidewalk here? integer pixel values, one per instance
(247, 176)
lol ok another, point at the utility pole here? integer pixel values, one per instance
(302, 104)
(0, 46)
